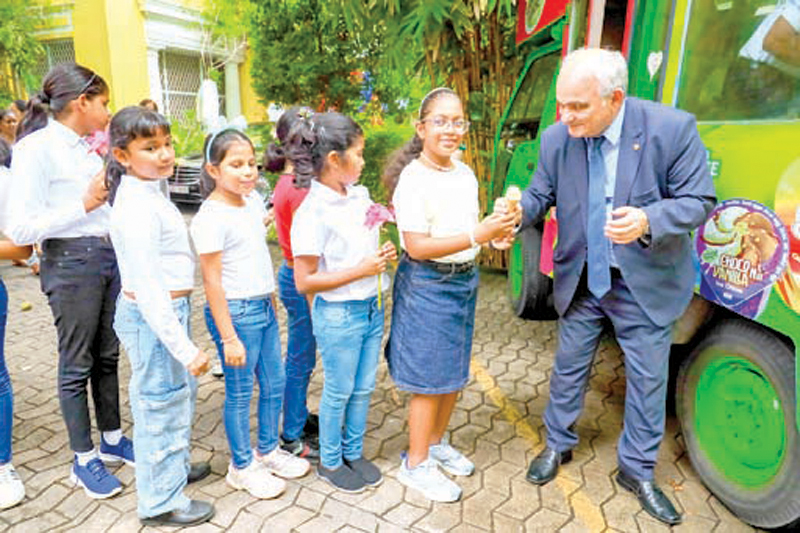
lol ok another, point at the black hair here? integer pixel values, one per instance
(216, 152)
(401, 157)
(20, 105)
(150, 104)
(5, 153)
(312, 139)
(64, 83)
(130, 123)
(275, 154)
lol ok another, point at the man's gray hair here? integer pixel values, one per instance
(608, 67)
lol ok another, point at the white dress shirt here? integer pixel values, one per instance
(333, 227)
(154, 257)
(239, 233)
(439, 204)
(52, 169)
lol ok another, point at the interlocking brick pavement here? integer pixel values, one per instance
(497, 422)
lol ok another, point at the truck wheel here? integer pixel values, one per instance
(531, 291)
(736, 405)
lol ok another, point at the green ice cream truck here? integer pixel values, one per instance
(734, 64)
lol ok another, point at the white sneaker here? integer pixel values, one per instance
(12, 491)
(284, 464)
(451, 460)
(427, 479)
(256, 480)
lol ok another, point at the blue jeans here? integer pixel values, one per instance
(349, 336)
(301, 354)
(162, 394)
(6, 394)
(257, 327)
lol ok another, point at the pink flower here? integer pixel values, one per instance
(98, 142)
(378, 215)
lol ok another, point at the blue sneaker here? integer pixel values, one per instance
(121, 453)
(97, 483)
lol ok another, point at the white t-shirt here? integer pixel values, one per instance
(439, 204)
(333, 227)
(239, 233)
(754, 47)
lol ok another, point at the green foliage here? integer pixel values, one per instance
(187, 135)
(304, 51)
(18, 46)
(379, 143)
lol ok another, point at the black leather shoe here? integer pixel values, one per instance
(198, 471)
(197, 513)
(652, 499)
(544, 468)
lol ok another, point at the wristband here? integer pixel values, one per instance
(472, 242)
(229, 339)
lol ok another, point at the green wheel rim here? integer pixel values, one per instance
(739, 421)
(516, 270)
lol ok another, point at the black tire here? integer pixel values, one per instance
(535, 300)
(739, 368)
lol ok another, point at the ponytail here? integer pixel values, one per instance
(275, 157)
(35, 117)
(63, 83)
(399, 159)
(312, 139)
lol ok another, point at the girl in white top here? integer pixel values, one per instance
(436, 286)
(152, 318)
(11, 489)
(60, 202)
(338, 258)
(229, 233)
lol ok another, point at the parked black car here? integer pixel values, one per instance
(184, 184)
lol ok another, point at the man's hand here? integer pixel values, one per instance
(626, 225)
(199, 364)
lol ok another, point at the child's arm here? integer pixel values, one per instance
(9, 250)
(421, 246)
(232, 348)
(309, 279)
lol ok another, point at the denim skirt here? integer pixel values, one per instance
(433, 318)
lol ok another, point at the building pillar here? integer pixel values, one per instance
(154, 75)
(233, 104)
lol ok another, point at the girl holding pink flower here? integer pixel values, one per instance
(337, 258)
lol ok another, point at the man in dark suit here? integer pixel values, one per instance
(630, 182)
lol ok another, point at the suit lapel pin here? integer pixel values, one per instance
(636, 146)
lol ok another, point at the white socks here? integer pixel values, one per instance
(85, 457)
(112, 437)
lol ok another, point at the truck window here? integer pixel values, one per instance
(525, 114)
(740, 60)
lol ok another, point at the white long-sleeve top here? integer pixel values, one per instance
(52, 169)
(154, 256)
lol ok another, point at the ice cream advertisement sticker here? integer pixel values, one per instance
(743, 249)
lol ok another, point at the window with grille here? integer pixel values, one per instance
(55, 52)
(181, 76)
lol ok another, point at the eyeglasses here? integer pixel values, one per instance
(439, 123)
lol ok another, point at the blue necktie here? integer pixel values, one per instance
(598, 260)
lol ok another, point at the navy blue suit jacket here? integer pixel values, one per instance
(662, 169)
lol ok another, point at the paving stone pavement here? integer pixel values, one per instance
(497, 422)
